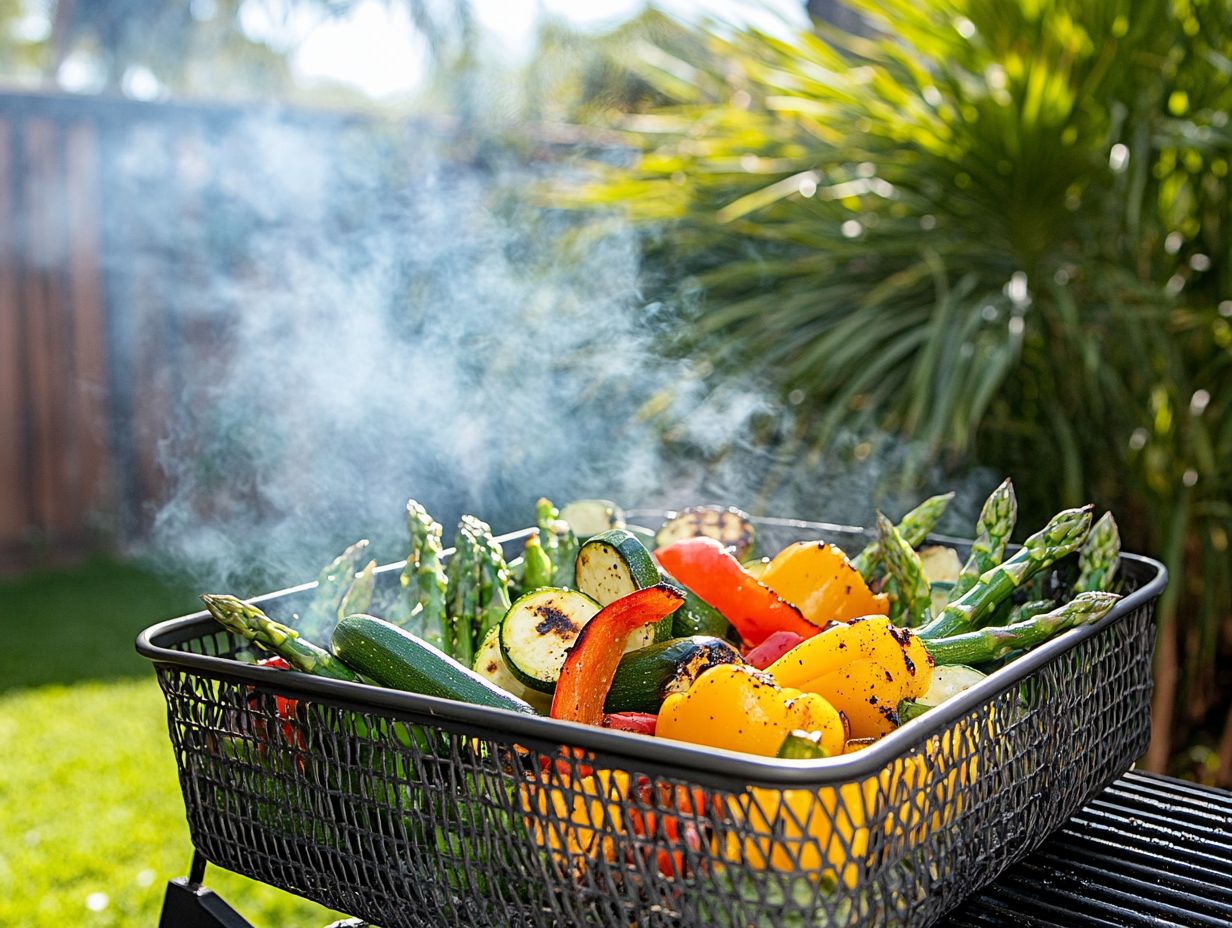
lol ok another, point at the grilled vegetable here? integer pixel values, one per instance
(539, 629)
(395, 658)
(1028, 610)
(251, 623)
(897, 651)
(993, 530)
(1097, 562)
(771, 649)
(588, 517)
(537, 571)
(359, 597)
(697, 617)
(738, 708)
(1063, 534)
(558, 541)
(948, 681)
(914, 527)
(592, 661)
(647, 676)
(755, 611)
(996, 641)
(490, 664)
(729, 526)
(424, 575)
(818, 580)
(333, 582)
(493, 576)
(614, 564)
(908, 573)
(802, 745)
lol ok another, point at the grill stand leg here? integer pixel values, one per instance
(188, 904)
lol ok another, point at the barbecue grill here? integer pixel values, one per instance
(407, 810)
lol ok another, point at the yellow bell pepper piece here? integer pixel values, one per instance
(817, 579)
(867, 693)
(736, 707)
(874, 638)
(575, 817)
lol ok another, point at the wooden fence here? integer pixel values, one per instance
(83, 405)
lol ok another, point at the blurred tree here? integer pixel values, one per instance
(999, 227)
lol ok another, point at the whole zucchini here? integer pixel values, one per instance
(647, 676)
(395, 658)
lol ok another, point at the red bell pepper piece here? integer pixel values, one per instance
(591, 663)
(770, 650)
(754, 610)
(643, 723)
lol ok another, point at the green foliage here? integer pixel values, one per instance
(998, 228)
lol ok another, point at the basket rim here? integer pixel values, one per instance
(672, 758)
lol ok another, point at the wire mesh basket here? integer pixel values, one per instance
(407, 810)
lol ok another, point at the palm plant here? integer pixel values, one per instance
(998, 227)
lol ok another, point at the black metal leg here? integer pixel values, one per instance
(188, 904)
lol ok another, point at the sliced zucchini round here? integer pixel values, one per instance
(589, 517)
(613, 564)
(490, 663)
(647, 676)
(539, 629)
(728, 525)
(948, 680)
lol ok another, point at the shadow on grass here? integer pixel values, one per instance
(64, 625)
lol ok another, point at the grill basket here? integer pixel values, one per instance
(406, 810)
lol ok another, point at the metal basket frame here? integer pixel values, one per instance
(410, 810)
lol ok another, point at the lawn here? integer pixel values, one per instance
(91, 820)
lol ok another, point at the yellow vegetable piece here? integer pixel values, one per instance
(866, 692)
(576, 816)
(817, 579)
(736, 707)
(873, 638)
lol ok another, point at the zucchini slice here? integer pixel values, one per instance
(948, 680)
(539, 629)
(728, 525)
(614, 564)
(647, 676)
(490, 664)
(697, 617)
(589, 517)
(395, 658)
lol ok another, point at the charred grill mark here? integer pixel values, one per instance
(889, 713)
(553, 621)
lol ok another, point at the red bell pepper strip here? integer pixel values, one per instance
(754, 610)
(643, 723)
(770, 650)
(591, 663)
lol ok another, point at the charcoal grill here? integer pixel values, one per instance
(411, 811)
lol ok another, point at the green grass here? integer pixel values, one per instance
(90, 806)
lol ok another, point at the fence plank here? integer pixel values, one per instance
(86, 302)
(14, 519)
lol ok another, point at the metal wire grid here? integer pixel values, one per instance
(427, 822)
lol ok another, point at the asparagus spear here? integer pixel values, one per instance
(462, 575)
(558, 541)
(1030, 610)
(333, 582)
(424, 576)
(538, 570)
(904, 566)
(993, 530)
(359, 597)
(993, 642)
(1063, 534)
(493, 578)
(1097, 562)
(250, 622)
(914, 527)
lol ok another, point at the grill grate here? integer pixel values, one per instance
(1149, 852)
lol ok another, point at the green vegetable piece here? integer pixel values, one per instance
(996, 641)
(359, 597)
(802, 745)
(1062, 535)
(1097, 562)
(333, 582)
(904, 565)
(914, 527)
(1029, 610)
(538, 570)
(993, 530)
(249, 622)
